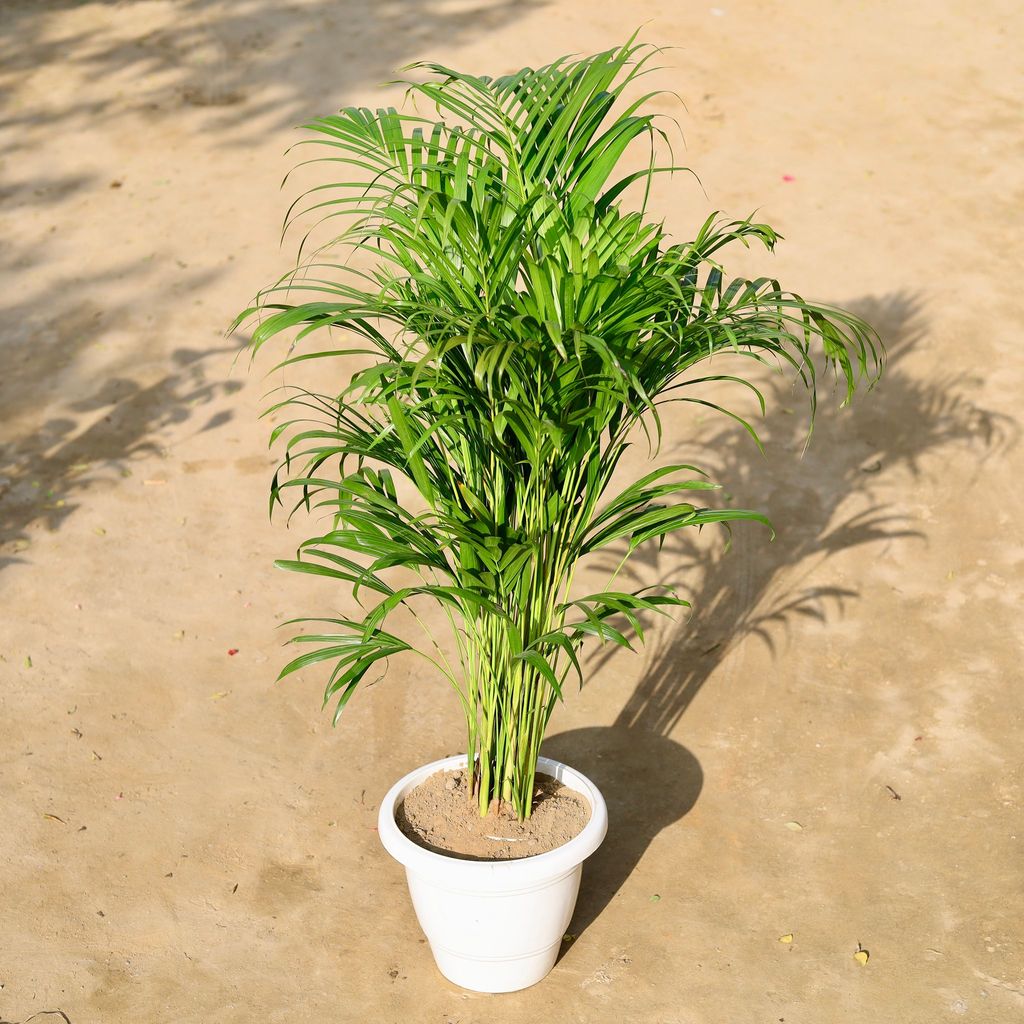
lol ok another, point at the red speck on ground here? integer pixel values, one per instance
(232, 650)
(788, 177)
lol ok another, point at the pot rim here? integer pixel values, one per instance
(491, 875)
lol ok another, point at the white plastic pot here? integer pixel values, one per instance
(494, 926)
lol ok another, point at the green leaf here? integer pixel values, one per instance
(491, 326)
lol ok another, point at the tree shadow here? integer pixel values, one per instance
(244, 67)
(45, 472)
(753, 590)
(60, 336)
(224, 74)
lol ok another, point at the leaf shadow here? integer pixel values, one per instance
(754, 589)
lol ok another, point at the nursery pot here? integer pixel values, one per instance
(494, 926)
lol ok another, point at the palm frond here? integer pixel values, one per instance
(521, 326)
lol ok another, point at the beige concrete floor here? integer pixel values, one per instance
(183, 841)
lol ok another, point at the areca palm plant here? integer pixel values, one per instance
(519, 327)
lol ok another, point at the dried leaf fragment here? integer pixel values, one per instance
(794, 826)
(786, 939)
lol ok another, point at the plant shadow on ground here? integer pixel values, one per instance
(648, 779)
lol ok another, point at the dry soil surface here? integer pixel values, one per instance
(439, 815)
(825, 757)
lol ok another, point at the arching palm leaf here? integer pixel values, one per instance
(523, 326)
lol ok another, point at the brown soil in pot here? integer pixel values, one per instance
(439, 815)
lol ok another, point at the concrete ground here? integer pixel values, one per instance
(829, 749)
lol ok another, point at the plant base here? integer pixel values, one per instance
(494, 926)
